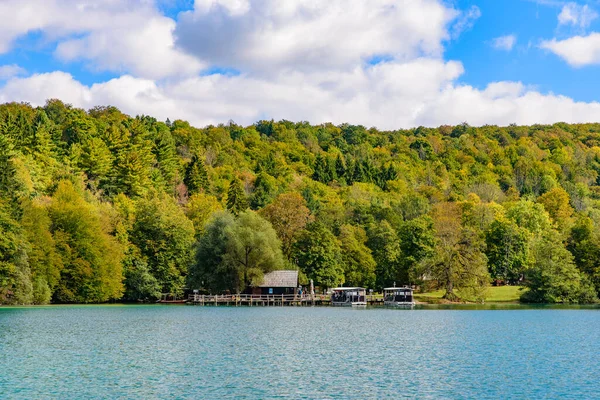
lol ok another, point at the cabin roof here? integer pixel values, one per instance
(283, 278)
(396, 288)
(348, 288)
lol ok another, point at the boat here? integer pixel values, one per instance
(398, 297)
(349, 296)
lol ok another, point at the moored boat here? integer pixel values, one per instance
(349, 296)
(398, 297)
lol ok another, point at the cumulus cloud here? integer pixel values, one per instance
(116, 35)
(577, 51)
(389, 96)
(577, 15)
(297, 60)
(505, 43)
(267, 35)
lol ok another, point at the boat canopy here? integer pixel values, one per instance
(339, 289)
(397, 288)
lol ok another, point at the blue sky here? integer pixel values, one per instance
(388, 63)
(532, 22)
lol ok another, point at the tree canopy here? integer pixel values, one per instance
(98, 206)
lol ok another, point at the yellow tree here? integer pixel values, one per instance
(289, 215)
(556, 202)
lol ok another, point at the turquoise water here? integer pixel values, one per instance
(184, 352)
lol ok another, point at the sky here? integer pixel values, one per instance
(385, 63)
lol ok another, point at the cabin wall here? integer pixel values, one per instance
(275, 291)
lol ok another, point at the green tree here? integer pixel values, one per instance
(252, 249)
(44, 260)
(165, 153)
(417, 242)
(322, 170)
(553, 276)
(529, 215)
(8, 180)
(385, 246)
(96, 159)
(234, 253)
(165, 237)
(358, 262)
(289, 216)
(15, 276)
(92, 270)
(196, 176)
(209, 271)
(236, 198)
(458, 263)
(264, 190)
(507, 250)
(317, 252)
(340, 167)
(200, 208)
(584, 245)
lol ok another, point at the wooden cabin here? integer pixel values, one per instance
(398, 296)
(278, 282)
(349, 296)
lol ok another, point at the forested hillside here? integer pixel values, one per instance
(98, 206)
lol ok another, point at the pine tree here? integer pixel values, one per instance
(236, 198)
(322, 171)
(350, 172)
(8, 181)
(340, 168)
(166, 154)
(264, 190)
(196, 176)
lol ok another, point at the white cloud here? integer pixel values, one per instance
(11, 70)
(298, 60)
(308, 35)
(389, 95)
(577, 15)
(504, 42)
(466, 21)
(578, 51)
(126, 36)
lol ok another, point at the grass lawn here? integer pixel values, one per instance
(495, 294)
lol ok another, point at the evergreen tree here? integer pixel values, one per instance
(340, 167)
(8, 180)
(166, 154)
(264, 191)
(196, 176)
(322, 171)
(350, 172)
(236, 198)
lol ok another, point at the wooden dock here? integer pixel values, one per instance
(271, 300)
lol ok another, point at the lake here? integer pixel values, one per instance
(180, 352)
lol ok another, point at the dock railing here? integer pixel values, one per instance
(268, 299)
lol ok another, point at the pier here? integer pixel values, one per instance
(271, 300)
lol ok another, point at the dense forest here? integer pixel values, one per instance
(99, 206)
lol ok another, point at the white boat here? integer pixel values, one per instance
(349, 296)
(398, 297)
